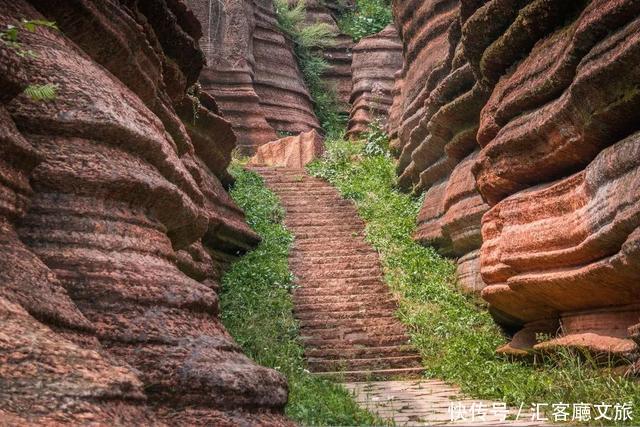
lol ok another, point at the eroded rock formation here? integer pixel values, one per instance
(293, 152)
(251, 71)
(283, 95)
(375, 61)
(518, 119)
(116, 225)
(227, 42)
(338, 55)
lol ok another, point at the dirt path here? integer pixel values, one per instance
(346, 311)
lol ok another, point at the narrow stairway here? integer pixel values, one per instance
(345, 310)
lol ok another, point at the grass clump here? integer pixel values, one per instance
(308, 42)
(456, 338)
(368, 17)
(256, 308)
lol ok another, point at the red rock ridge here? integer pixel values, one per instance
(128, 226)
(229, 75)
(375, 61)
(284, 98)
(338, 55)
(527, 110)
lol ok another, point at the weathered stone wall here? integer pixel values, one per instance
(251, 71)
(116, 225)
(518, 118)
(376, 59)
(338, 55)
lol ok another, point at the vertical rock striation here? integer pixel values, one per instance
(227, 42)
(284, 98)
(129, 224)
(518, 118)
(338, 55)
(375, 60)
(252, 72)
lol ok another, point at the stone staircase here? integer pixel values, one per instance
(345, 310)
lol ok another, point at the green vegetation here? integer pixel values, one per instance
(256, 308)
(45, 92)
(368, 17)
(455, 336)
(10, 36)
(308, 41)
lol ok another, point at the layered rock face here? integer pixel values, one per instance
(283, 96)
(375, 61)
(293, 152)
(518, 119)
(338, 55)
(251, 71)
(116, 225)
(432, 125)
(229, 76)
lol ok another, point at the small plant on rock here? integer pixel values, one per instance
(369, 17)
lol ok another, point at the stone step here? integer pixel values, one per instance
(306, 193)
(303, 211)
(332, 338)
(374, 375)
(340, 291)
(316, 325)
(296, 201)
(346, 315)
(324, 282)
(315, 245)
(359, 352)
(339, 299)
(330, 257)
(315, 309)
(339, 227)
(350, 273)
(332, 253)
(325, 221)
(333, 266)
(345, 236)
(368, 364)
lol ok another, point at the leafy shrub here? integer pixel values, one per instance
(45, 92)
(308, 40)
(376, 141)
(369, 17)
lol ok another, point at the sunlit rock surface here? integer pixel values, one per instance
(251, 71)
(376, 59)
(293, 152)
(518, 119)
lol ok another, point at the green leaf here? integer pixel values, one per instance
(46, 92)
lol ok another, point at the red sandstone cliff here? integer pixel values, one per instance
(375, 61)
(251, 71)
(115, 225)
(518, 119)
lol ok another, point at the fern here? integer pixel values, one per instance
(290, 18)
(316, 36)
(45, 92)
